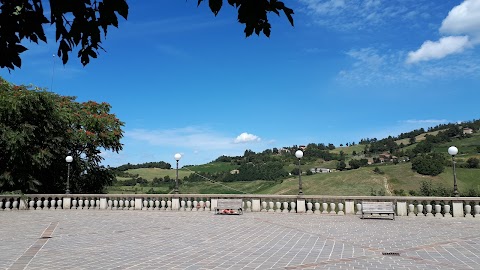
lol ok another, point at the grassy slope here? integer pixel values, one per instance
(354, 182)
(150, 173)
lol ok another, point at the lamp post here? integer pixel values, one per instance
(452, 150)
(177, 158)
(299, 155)
(69, 160)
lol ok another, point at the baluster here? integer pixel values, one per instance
(144, 204)
(317, 208)
(293, 207)
(270, 207)
(50, 203)
(97, 203)
(163, 204)
(115, 204)
(74, 203)
(340, 209)
(332, 209)
(428, 207)
(183, 204)
(446, 208)
(476, 210)
(420, 209)
(1, 204)
(157, 204)
(121, 203)
(86, 204)
(202, 205)
(359, 209)
(325, 208)
(110, 204)
(126, 203)
(39, 204)
(15, 204)
(438, 210)
(285, 207)
(264, 206)
(151, 203)
(31, 204)
(7, 204)
(80, 203)
(468, 210)
(249, 206)
(169, 205)
(208, 204)
(278, 207)
(309, 207)
(131, 202)
(193, 205)
(411, 210)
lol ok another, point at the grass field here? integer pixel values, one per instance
(212, 167)
(150, 173)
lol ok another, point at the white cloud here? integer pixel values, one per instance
(461, 28)
(346, 15)
(246, 137)
(426, 121)
(463, 19)
(370, 66)
(439, 49)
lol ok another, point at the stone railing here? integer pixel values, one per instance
(315, 204)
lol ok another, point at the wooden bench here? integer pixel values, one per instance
(229, 207)
(378, 208)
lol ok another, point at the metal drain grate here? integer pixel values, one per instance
(391, 253)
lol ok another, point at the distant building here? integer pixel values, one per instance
(467, 131)
(320, 170)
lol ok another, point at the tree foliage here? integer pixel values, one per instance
(84, 24)
(38, 129)
(429, 164)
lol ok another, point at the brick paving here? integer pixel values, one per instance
(96, 239)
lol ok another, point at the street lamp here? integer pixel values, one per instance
(299, 155)
(69, 160)
(452, 150)
(177, 158)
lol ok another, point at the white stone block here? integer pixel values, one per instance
(256, 205)
(175, 204)
(67, 203)
(138, 203)
(103, 203)
(401, 209)
(301, 206)
(350, 207)
(458, 209)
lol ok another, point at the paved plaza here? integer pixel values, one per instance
(96, 239)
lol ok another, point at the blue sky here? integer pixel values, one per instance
(185, 81)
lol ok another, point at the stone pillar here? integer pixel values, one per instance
(401, 208)
(301, 206)
(256, 205)
(175, 204)
(103, 203)
(23, 204)
(138, 203)
(458, 209)
(67, 203)
(349, 207)
(213, 203)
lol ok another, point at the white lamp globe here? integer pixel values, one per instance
(69, 159)
(452, 150)
(299, 154)
(178, 156)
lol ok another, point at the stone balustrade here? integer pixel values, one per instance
(438, 207)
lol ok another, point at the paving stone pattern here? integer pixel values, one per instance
(96, 239)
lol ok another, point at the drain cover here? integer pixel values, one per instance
(391, 253)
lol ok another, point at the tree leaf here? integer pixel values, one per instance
(215, 6)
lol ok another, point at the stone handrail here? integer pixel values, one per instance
(318, 204)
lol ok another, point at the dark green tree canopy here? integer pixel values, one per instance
(80, 23)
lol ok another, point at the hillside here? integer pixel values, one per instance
(394, 179)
